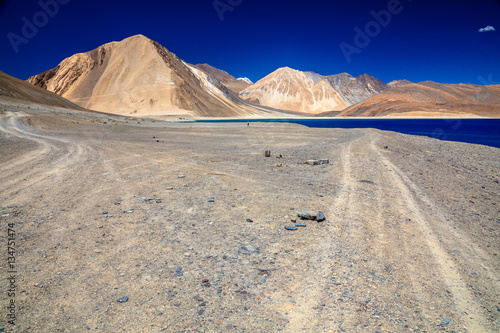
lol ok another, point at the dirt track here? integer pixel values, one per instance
(410, 242)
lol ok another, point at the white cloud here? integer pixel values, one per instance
(487, 28)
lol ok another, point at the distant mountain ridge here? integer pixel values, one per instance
(429, 99)
(309, 92)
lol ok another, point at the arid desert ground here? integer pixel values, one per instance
(154, 214)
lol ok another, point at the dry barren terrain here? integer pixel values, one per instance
(154, 214)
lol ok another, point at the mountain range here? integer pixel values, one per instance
(309, 92)
(140, 77)
(429, 99)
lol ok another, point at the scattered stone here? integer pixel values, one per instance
(203, 303)
(267, 153)
(279, 165)
(300, 224)
(170, 188)
(249, 220)
(291, 228)
(317, 162)
(307, 215)
(249, 249)
(366, 181)
(147, 199)
(178, 271)
(205, 283)
(198, 298)
(201, 312)
(105, 212)
(320, 217)
(293, 220)
(181, 176)
(124, 299)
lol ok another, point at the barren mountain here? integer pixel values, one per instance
(428, 99)
(232, 83)
(138, 76)
(14, 90)
(290, 89)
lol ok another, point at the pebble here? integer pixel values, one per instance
(320, 217)
(300, 224)
(249, 220)
(250, 249)
(291, 228)
(181, 176)
(170, 188)
(105, 212)
(124, 299)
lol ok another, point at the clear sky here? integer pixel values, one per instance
(418, 40)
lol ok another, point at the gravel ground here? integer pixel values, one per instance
(126, 225)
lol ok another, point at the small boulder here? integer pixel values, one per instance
(307, 215)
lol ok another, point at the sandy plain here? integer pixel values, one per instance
(105, 207)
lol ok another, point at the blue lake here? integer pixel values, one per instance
(478, 131)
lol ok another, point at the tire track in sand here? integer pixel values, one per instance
(464, 300)
(47, 164)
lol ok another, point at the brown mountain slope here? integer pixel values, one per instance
(138, 76)
(13, 89)
(232, 83)
(429, 99)
(309, 92)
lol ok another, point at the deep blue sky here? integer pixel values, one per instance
(426, 39)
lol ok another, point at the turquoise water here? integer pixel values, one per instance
(478, 131)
